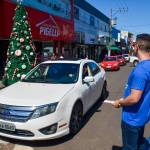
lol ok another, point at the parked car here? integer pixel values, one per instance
(51, 100)
(127, 57)
(110, 63)
(122, 60)
(134, 60)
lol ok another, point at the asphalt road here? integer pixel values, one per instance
(101, 129)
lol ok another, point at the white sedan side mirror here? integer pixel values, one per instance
(88, 79)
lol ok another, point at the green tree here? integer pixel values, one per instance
(21, 56)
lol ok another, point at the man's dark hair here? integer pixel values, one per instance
(143, 41)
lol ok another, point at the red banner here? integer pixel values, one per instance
(44, 26)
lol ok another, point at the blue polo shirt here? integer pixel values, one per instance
(139, 79)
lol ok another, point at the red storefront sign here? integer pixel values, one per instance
(44, 26)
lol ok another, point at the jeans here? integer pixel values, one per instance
(132, 137)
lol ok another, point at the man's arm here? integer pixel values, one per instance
(132, 99)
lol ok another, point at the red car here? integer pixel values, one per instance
(122, 60)
(110, 63)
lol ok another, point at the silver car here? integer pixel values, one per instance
(127, 57)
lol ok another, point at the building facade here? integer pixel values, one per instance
(71, 28)
(51, 21)
(91, 31)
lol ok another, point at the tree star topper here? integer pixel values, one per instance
(19, 1)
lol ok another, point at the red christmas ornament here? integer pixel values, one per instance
(22, 47)
(31, 37)
(21, 40)
(32, 65)
(18, 7)
(18, 52)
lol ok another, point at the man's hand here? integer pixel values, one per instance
(116, 103)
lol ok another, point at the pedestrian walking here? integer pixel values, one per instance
(136, 101)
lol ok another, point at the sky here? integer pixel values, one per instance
(133, 17)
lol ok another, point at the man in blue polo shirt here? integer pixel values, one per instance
(136, 101)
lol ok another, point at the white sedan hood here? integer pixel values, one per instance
(33, 94)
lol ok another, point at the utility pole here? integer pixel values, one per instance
(111, 23)
(110, 30)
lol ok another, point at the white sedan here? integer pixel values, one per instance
(50, 101)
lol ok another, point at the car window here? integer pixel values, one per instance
(110, 58)
(120, 57)
(94, 68)
(126, 55)
(85, 71)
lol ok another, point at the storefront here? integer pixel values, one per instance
(51, 30)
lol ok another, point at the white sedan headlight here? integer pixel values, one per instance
(44, 110)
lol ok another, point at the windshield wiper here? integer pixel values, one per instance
(25, 80)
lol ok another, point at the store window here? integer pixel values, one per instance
(67, 51)
(48, 50)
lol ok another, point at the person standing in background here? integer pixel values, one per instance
(39, 58)
(136, 101)
(61, 56)
(53, 56)
(86, 57)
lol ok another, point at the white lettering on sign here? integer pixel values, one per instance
(49, 31)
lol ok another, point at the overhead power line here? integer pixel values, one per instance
(136, 26)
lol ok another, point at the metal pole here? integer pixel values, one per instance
(110, 31)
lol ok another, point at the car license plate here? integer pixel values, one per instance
(108, 66)
(7, 126)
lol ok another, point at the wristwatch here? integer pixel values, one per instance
(119, 105)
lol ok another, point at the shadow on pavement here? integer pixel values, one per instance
(147, 144)
(114, 147)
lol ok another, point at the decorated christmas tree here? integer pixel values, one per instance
(21, 56)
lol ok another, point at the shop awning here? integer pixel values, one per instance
(114, 48)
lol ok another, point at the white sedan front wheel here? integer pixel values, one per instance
(76, 118)
(104, 91)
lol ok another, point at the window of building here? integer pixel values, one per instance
(76, 13)
(61, 8)
(92, 20)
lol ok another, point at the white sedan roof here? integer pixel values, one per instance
(74, 61)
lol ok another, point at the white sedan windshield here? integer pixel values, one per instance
(54, 73)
